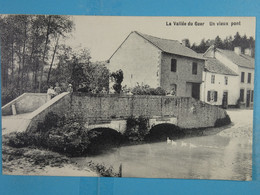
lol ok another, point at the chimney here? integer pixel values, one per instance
(237, 50)
(248, 51)
(184, 42)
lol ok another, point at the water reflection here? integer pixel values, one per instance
(208, 157)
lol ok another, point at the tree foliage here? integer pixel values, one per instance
(228, 43)
(147, 90)
(117, 77)
(29, 45)
(76, 68)
(32, 56)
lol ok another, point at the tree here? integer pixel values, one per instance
(201, 48)
(117, 77)
(218, 42)
(229, 43)
(28, 43)
(76, 68)
(56, 26)
(237, 40)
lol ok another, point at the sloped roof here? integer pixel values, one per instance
(170, 46)
(240, 60)
(215, 66)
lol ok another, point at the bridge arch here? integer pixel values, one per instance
(103, 138)
(160, 132)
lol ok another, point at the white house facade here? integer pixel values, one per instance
(235, 82)
(217, 87)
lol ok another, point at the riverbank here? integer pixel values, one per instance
(243, 124)
(34, 161)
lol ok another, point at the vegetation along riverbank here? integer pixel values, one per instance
(48, 149)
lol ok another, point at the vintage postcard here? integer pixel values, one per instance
(113, 96)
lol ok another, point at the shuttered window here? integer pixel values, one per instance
(242, 94)
(194, 68)
(212, 79)
(173, 65)
(242, 77)
(209, 96)
(249, 78)
(212, 96)
(215, 96)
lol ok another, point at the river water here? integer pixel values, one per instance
(226, 155)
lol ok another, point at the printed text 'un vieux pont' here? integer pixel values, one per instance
(200, 23)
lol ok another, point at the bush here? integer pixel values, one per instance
(51, 121)
(60, 134)
(223, 121)
(146, 90)
(136, 128)
(117, 77)
(102, 170)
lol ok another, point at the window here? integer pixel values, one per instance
(194, 68)
(249, 78)
(242, 77)
(212, 79)
(173, 65)
(212, 96)
(226, 80)
(252, 95)
(242, 92)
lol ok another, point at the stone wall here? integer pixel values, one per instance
(59, 105)
(27, 102)
(190, 113)
(182, 75)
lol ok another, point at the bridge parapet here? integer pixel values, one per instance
(25, 103)
(113, 111)
(189, 113)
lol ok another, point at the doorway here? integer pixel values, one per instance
(248, 98)
(195, 90)
(225, 100)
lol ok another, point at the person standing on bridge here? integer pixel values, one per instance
(57, 89)
(50, 93)
(70, 89)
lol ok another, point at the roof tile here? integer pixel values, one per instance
(240, 60)
(170, 46)
(215, 66)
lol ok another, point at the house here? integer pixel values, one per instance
(157, 62)
(228, 77)
(217, 87)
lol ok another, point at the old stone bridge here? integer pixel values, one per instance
(109, 111)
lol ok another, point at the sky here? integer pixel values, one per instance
(102, 35)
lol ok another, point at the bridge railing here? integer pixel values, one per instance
(27, 102)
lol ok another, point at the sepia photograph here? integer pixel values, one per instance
(127, 96)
